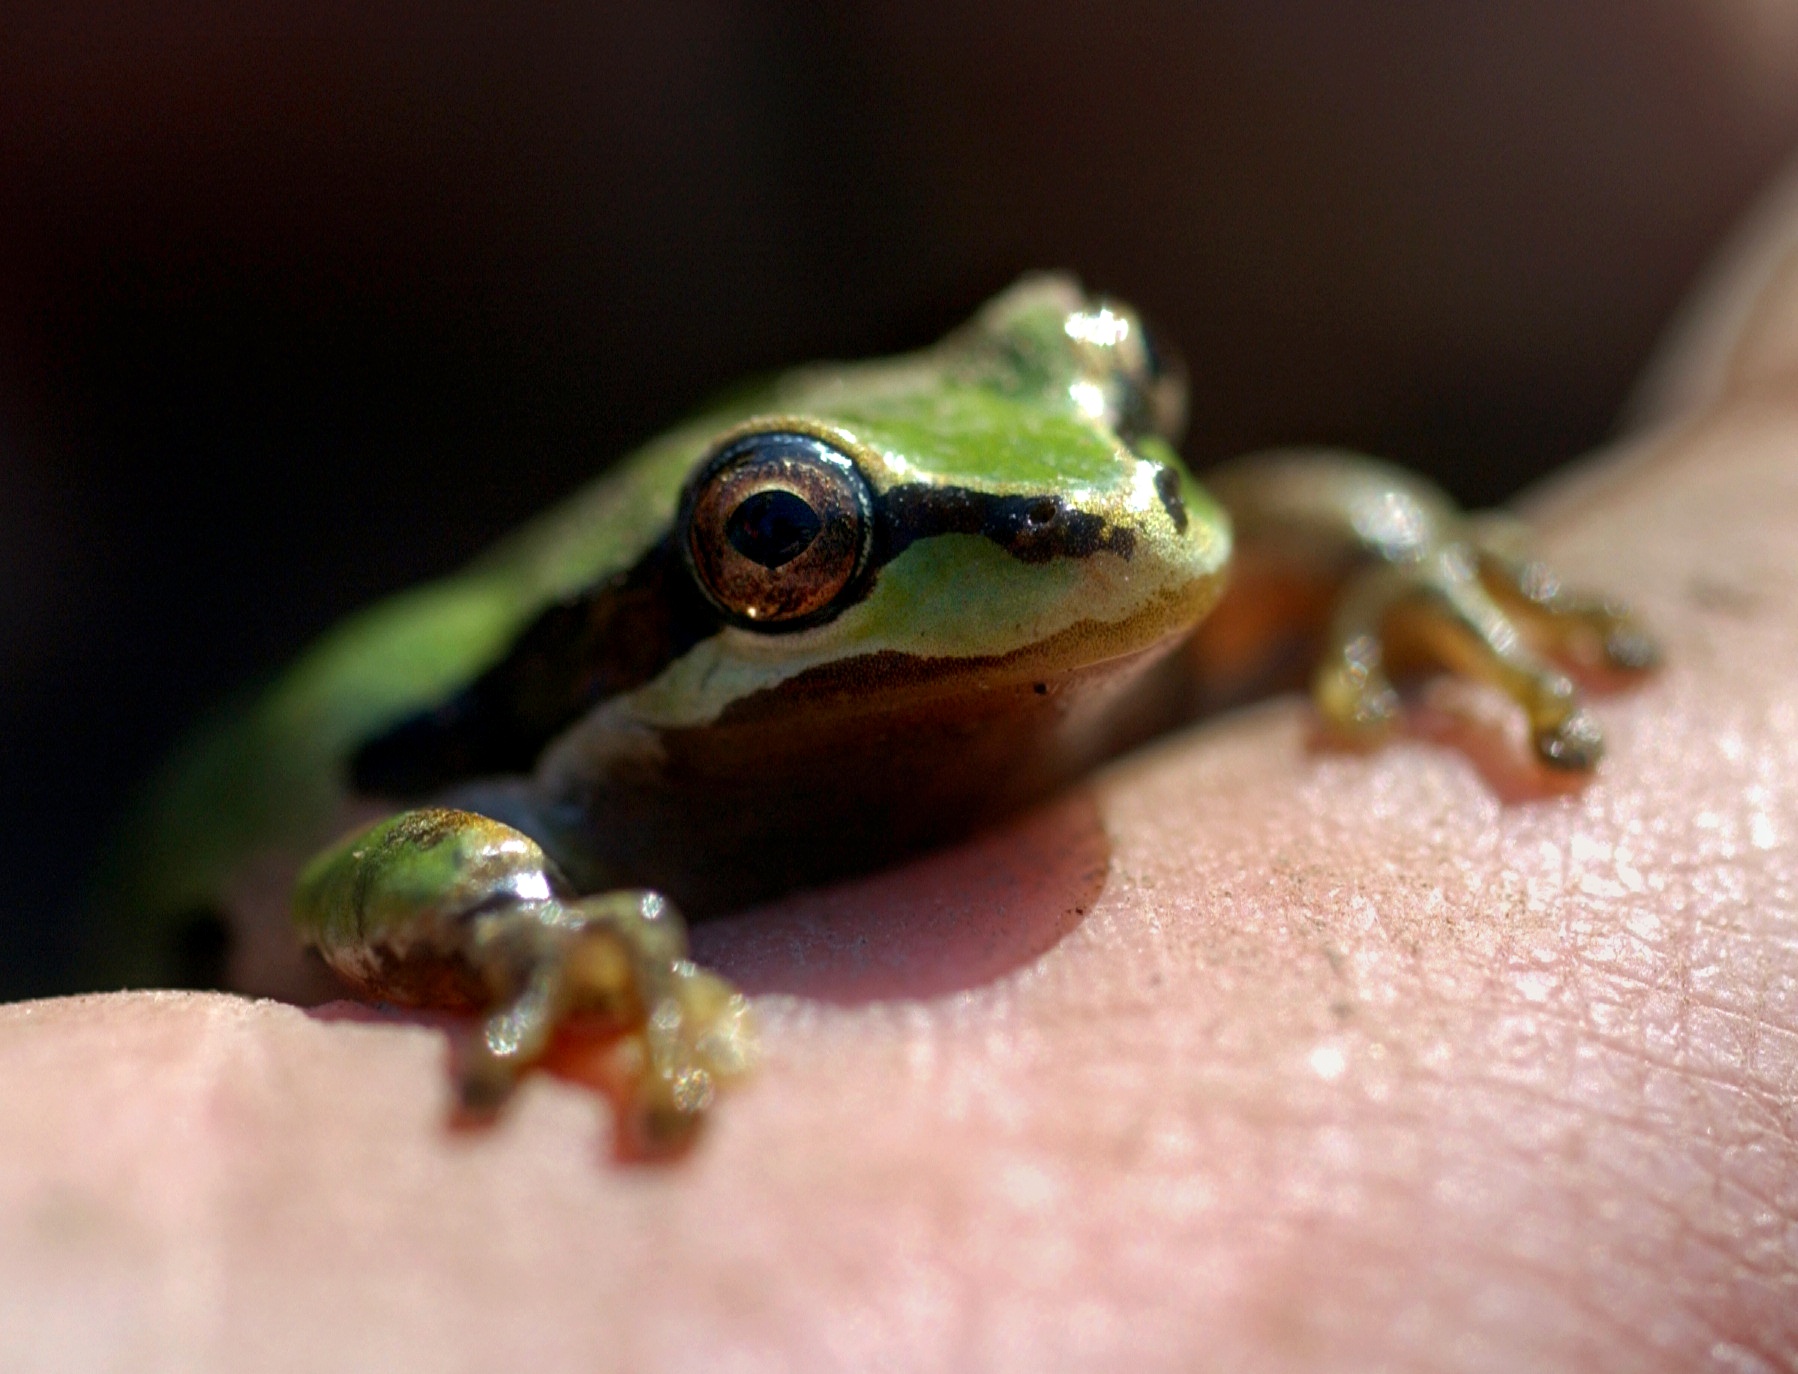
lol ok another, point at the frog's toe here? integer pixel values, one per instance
(1575, 745)
(696, 1039)
(1453, 619)
(1627, 645)
(1351, 685)
(615, 965)
(498, 1050)
(1352, 692)
(1579, 624)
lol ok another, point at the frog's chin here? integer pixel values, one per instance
(851, 765)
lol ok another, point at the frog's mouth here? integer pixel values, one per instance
(890, 682)
(853, 765)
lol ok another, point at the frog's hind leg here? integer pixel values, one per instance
(447, 908)
(1579, 624)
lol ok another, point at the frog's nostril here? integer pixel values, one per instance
(1042, 512)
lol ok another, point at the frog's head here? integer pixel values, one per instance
(1006, 505)
(868, 606)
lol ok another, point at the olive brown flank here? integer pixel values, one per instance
(620, 634)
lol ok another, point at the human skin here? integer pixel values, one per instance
(1250, 1054)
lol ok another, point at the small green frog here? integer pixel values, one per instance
(852, 612)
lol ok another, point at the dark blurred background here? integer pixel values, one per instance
(301, 300)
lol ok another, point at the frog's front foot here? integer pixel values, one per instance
(451, 909)
(613, 964)
(1478, 605)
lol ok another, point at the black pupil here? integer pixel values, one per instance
(772, 528)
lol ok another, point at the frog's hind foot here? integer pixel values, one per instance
(1435, 610)
(452, 909)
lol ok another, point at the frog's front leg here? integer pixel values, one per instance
(1422, 583)
(448, 909)
(1435, 609)
(1574, 621)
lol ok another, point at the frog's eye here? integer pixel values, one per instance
(776, 526)
(1154, 382)
(1157, 363)
(1123, 377)
(1164, 387)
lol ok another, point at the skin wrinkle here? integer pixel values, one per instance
(1535, 1259)
(1751, 1021)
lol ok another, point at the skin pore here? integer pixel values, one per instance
(1271, 1056)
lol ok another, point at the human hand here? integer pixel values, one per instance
(1248, 1055)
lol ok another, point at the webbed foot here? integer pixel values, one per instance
(613, 964)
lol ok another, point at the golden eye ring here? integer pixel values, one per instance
(776, 527)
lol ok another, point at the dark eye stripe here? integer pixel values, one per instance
(627, 629)
(576, 653)
(1032, 529)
